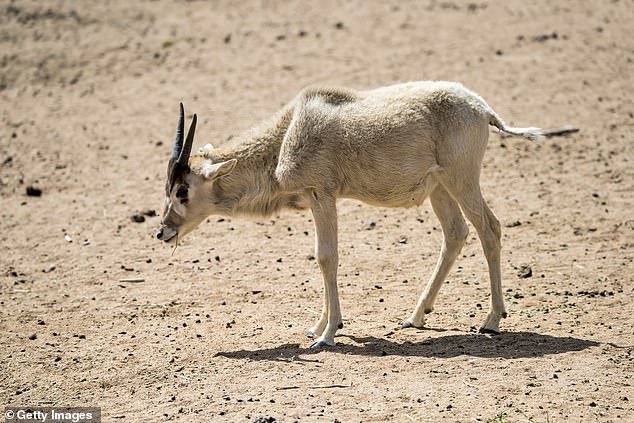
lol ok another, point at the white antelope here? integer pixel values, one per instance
(392, 147)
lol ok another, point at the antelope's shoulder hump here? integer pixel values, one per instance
(334, 96)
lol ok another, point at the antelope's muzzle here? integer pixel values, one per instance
(165, 233)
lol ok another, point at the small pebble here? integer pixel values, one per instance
(138, 218)
(525, 272)
(32, 191)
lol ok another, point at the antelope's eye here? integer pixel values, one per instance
(182, 192)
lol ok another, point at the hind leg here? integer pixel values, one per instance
(455, 231)
(469, 196)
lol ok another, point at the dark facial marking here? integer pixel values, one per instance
(181, 193)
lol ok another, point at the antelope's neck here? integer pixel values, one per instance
(252, 187)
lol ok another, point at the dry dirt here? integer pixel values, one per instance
(215, 332)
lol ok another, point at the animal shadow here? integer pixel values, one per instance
(506, 345)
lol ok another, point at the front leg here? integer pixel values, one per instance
(324, 211)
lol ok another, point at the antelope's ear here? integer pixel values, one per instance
(217, 170)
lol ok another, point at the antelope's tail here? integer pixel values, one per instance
(531, 133)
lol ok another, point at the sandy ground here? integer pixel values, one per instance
(215, 332)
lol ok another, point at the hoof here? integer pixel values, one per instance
(320, 343)
(311, 334)
(407, 324)
(488, 331)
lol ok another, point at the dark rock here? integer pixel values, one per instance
(138, 218)
(525, 272)
(32, 191)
